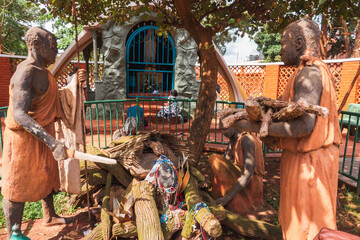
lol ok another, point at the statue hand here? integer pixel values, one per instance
(59, 151)
(81, 75)
(224, 200)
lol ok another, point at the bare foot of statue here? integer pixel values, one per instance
(50, 217)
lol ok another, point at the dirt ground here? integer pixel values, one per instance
(76, 230)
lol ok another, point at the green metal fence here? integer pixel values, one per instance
(105, 117)
(3, 111)
(350, 162)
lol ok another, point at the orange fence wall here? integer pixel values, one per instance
(269, 80)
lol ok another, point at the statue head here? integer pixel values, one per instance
(296, 38)
(42, 43)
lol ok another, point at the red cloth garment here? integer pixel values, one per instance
(30, 172)
(252, 195)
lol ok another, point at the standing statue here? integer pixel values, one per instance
(309, 162)
(241, 191)
(30, 169)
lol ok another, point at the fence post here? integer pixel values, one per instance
(137, 114)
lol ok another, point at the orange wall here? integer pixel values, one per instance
(5, 76)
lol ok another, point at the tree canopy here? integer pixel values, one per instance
(269, 45)
(16, 17)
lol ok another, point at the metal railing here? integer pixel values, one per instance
(3, 112)
(104, 117)
(350, 162)
(107, 116)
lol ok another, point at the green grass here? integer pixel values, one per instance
(33, 210)
(348, 216)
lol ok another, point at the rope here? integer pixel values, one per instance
(196, 208)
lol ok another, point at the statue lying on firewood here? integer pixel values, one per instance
(241, 191)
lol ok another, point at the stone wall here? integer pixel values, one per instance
(113, 85)
(186, 57)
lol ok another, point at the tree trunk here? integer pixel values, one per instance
(324, 35)
(356, 47)
(346, 37)
(207, 96)
(209, 66)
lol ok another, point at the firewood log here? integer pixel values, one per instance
(253, 108)
(265, 122)
(267, 110)
(147, 215)
(174, 224)
(95, 234)
(168, 152)
(223, 113)
(250, 227)
(157, 147)
(124, 230)
(228, 121)
(139, 169)
(296, 109)
(211, 225)
(117, 170)
(97, 177)
(242, 225)
(106, 223)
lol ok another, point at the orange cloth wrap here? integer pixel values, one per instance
(252, 194)
(30, 172)
(309, 168)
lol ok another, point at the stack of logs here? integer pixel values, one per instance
(131, 206)
(267, 110)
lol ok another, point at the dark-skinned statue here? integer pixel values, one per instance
(30, 169)
(241, 191)
(309, 162)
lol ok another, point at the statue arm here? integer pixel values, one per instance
(308, 85)
(248, 147)
(22, 99)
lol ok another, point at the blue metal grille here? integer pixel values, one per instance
(150, 61)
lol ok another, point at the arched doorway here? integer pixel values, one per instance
(150, 61)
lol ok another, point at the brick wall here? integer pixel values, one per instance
(5, 76)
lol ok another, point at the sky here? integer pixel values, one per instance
(239, 51)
